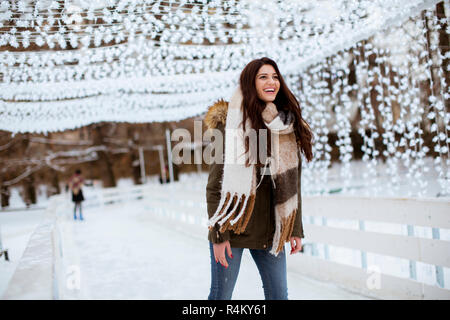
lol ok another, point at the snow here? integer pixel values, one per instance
(15, 200)
(16, 228)
(125, 253)
(130, 251)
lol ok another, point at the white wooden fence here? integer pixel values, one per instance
(187, 207)
(431, 213)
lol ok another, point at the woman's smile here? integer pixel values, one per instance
(267, 83)
(270, 90)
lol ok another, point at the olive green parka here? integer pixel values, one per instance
(261, 227)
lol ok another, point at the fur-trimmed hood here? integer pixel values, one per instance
(216, 114)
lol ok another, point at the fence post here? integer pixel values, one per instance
(326, 251)
(439, 270)
(412, 264)
(142, 165)
(362, 227)
(313, 245)
(162, 163)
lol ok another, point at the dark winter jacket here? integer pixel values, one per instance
(261, 227)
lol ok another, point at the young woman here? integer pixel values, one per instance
(256, 203)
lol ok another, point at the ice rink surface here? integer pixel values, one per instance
(123, 253)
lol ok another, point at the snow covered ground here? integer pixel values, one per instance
(16, 228)
(124, 253)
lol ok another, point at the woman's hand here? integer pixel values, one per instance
(296, 245)
(219, 252)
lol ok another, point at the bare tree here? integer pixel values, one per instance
(106, 170)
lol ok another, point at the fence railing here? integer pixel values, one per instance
(187, 207)
(369, 278)
(42, 270)
(36, 276)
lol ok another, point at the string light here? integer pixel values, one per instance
(65, 64)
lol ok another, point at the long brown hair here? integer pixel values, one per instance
(285, 100)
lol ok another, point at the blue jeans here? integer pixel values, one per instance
(77, 205)
(271, 269)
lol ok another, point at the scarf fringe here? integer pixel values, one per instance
(233, 211)
(283, 232)
(244, 216)
(236, 218)
(224, 204)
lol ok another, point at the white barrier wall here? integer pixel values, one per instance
(188, 207)
(35, 276)
(433, 213)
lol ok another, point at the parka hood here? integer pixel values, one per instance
(216, 114)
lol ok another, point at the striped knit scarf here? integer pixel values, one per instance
(239, 181)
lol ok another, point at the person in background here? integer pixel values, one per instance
(75, 184)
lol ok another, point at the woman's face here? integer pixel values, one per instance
(267, 83)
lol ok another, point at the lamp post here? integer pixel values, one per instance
(169, 155)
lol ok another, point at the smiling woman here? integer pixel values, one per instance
(246, 207)
(261, 82)
(267, 83)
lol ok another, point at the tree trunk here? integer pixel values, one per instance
(30, 190)
(54, 180)
(133, 138)
(55, 189)
(4, 196)
(29, 181)
(106, 170)
(135, 168)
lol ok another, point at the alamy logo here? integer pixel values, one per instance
(214, 150)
